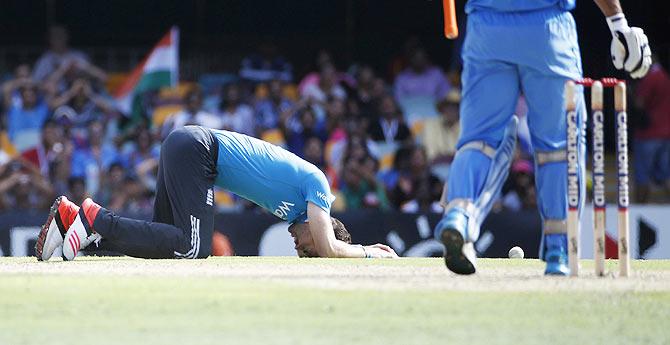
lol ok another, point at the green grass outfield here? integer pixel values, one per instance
(326, 301)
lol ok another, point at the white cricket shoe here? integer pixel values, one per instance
(61, 217)
(80, 233)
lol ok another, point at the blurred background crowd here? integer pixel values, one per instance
(384, 134)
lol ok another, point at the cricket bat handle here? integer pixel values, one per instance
(450, 24)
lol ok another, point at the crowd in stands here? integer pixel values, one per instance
(384, 140)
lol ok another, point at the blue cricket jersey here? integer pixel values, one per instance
(270, 176)
(517, 5)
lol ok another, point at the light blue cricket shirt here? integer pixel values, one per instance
(270, 176)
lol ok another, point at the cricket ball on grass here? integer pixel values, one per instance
(515, 253)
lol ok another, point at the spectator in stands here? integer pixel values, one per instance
(147, 173)
(266, 65)
(93, 157)
(57, 150)
(652, 139)
(421, 79)
(71, 70)
(365, 106)
(327, 87)
(269, 110)
(518, 192)
(353, 130)
(23, 71)
(77, 189)
(236, 115)
(414, 174)
(323, 59)
(125, 192)
(336, 113)
(400, 61)
(390, 126)
(379, 90)
(192, 114)
(401, 159)
(22, 186)
(313, 152)
(356, 148)
(297, 134)
(364, 94)
(440, 134)
(360, 187)
(80, 104)
(132, 198)
(424, 200)
(11, 94)
(112, 183)
(143, 148)
(61, 61)
(25, 115)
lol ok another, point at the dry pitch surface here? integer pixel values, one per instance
(326, 301)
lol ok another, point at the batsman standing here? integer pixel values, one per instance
(193, 160)
(515, 46)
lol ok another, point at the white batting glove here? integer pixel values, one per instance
(630, 47)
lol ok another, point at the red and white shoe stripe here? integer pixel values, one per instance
(75, 244)
(75, 239)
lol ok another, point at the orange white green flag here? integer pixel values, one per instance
(158, 69)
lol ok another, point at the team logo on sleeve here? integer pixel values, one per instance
(283, 209)
(322, 196)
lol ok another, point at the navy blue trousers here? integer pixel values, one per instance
(183, 218)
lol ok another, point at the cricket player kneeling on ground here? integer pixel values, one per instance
(193, 160)
(527, 46)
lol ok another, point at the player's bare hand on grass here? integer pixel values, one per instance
(380, 251)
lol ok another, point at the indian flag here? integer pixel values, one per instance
(158, 69)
